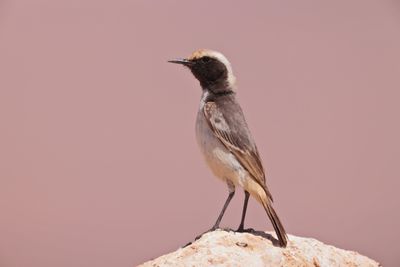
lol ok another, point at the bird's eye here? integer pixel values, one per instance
(205, 59)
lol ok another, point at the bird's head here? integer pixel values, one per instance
(211, 68)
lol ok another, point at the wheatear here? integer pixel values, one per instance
(225, 139)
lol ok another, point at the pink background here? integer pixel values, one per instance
(98, 160)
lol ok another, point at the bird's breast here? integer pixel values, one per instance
(218, 158)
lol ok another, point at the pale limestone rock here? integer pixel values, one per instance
(222, 248)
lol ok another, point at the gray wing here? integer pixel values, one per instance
(233, 132)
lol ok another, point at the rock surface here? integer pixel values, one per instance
(222, 248)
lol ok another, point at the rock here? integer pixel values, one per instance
(223, 248)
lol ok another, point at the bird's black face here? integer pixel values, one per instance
(208, 70)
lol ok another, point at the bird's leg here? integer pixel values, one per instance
(231, 187)
(228, 200)
(246, 200)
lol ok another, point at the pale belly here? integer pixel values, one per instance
(222, 163)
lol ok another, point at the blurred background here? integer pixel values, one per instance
(98, 160)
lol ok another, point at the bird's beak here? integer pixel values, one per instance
(182, 61)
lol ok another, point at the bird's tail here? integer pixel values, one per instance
(276, 223)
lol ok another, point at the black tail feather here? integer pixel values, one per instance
(276, 223)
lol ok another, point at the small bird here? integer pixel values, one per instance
(224, 137)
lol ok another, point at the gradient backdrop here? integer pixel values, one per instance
(98, 160)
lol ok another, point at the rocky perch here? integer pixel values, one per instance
(223, 248)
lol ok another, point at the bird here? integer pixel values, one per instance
(224, 137)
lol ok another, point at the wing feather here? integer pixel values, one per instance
(246, 153)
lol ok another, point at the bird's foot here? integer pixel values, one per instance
(242, 230)
(212, 229)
